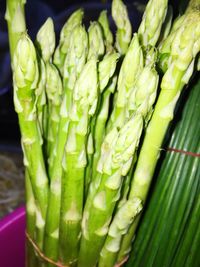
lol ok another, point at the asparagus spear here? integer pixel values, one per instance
(77, 58)
(16, 22)
(46, 40)
(106, 69)
(54, 91)
(116, 156)
(107, 34)
(184, 49)
(119, 227)
(61, 51)
(143, 93)
(165, 46)
(141, 100)
(74, 161)
(25, 77)
(41, 100)
(30, 220)
(16, 26)
(130, 69)
(167, 25)
(101, 120)
(73, 65)
(153, 18)
(124, 29)
(96, 41)
(96, 50)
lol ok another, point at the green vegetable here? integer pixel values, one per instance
(173, 81)
(124, 28)
(93, 114)
(74, 161)
(61, 51)
(116, 156)
(25, 79)
(16, 22)
(174, 199)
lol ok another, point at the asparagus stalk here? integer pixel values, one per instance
(107, 34)
(30, 220)
(140, 103)
(16, 26)
(116, 156)
(16, 22)
(77, 58)
(74, 162)
(96, 50)
(46, 40)
(25, 77)
(62, 49)
(101, 120)
(173, 161)
(167, 25)
(73, 65)
(185, 47)
(119, 227)
(144, 92)
(41, 99)
(176, 174)
(130, 69)
(106, 69)
(153, 18)
(124, 29)
(96, 41)
(54, 91)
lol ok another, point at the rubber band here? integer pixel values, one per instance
(42, 256)
(122, 262)
(197, 155)
(58, 264)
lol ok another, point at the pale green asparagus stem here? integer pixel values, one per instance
(54, 91)
(41, 100)
(74, 162)
(30, 221)
(78, 54)
(96, 137)
(144, 92)
(117, 152)
(165, 46)
(153, 18)
(107, 34)
(124, 29)
(167, 24)
(61, 51)
(46, 40)
(129, 71)
(141, 101)
(25, 77)
(106, 68)
(118, 228)
(73, 65)
(16, 22)
(184, 49)
(96, 41)
(101, 120)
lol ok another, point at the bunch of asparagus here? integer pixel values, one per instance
(85, 109)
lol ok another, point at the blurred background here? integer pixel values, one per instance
(37, 11)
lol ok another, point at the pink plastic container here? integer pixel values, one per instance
(12, 239)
